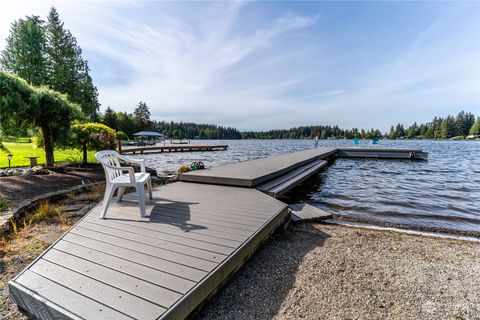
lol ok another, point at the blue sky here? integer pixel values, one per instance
(265, 65)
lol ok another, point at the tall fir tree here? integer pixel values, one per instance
(110, 118)
(24, 53)
(141, 115)
(67, 71)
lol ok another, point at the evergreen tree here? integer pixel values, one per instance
(88, 93)
(39, 107)
(125, 123)
(399, 131)
(61, 58)
(448, 127)
(475, 129)
(463, 123)
(391, 133)
(24, 53)
(110, 118)
(437, 128)
(141, 116)
(412, 130)
(67, 71)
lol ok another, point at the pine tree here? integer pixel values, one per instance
(412, 130)
(61, 59)
(448, 127)
(24, 53)
(67, 71)
(110, 118)
(141, 115)
(88, 93)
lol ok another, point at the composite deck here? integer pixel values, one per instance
(281, 185)
(158, 267)
(254, 172)
(382, 153)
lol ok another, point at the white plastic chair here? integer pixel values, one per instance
(117, 179)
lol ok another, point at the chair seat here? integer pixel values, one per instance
(140, 177)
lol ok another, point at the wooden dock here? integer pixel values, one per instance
(175, 148)
(382, 153)
(159, 267)
(254, 172)
(197, 233)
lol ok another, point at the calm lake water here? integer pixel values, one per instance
(443, 192)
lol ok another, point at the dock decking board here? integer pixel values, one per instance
(127, 267)
(254, 172)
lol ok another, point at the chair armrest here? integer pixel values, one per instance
(141, 162)
(131, 172)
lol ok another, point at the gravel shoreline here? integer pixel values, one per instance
(319, 271)
(316, 271)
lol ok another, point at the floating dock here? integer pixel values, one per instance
(382, 153)
(254, 172)
(196, 234)
(175, 148)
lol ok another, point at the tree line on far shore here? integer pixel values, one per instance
(139, 120)
(459, 126)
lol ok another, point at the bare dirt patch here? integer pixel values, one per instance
(19, 188)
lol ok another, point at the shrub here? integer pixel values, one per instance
(121, 136)
(92, 136)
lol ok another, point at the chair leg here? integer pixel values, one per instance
(106, 200)
(150, 189)
(141, 199)
(120, 193)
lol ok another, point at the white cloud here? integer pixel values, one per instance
(218, 62)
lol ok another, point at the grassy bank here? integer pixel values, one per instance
(22, 150)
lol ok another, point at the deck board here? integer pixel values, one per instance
(158, 267)
(140, 271)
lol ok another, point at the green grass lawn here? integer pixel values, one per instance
(22, 150)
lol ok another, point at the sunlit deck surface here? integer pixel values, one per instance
(158, 267)
(254, 172)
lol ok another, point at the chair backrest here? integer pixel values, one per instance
(356, 141)
(110, 158)
(375, 141)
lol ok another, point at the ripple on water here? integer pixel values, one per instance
(443, 192)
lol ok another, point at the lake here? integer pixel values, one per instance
(441, 193)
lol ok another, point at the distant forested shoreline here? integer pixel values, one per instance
(463, 125)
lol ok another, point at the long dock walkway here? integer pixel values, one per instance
(159, 267)
(196, 234)
(175, 148)
(254, 172)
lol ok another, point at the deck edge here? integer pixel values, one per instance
(17, 288)
(216, 279)
(38, 306)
